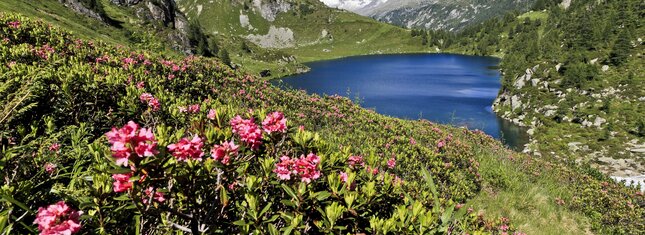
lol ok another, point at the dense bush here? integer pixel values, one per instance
(176, 155)
(127, 142)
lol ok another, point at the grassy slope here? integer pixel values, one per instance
(509, 200)
(352, 34)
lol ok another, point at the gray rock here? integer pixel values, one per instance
(605, 68)
(599, 121)
(515, 102)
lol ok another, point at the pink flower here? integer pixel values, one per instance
(303, 167)
(50, 167)
(121, 182)
(54, 147)
(248, 131)
(141, 85)
(301, 128)
(343, 176)
(373, 171)
(306, 167)
(127, 62)
(212, 114)
(150, 100)
(274, 122)
(441, 144)
(187, 149)
(355, 160)
(224, 152)
(14, 24)
(283, 168)
(503, 227)
(193, 108)
(148, 196)
(130, 139)
(391, 163)
(58, 219)
(182, 109)
(412, 141)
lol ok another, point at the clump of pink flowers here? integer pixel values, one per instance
(212, 114)
(157, 196)
(14, 24)
(275, 122)
(355, 160)
(130, 139)
(50, 167)
(58, 219)
(305, 167)
(187, 149)
(54, 147)
(122, 182)
(152, 102)
(248, 131)
(224, 152)
(391, 163)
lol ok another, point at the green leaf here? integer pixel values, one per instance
(322, 195)
(289, 191)
(240, 223)
(17, 203)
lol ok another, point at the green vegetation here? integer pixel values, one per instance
(64, 94)
(574, 75)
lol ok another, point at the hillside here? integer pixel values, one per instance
(574, 75)
(451, 15)
(307, 29)
(188, 162)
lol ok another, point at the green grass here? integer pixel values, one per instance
(528, 200)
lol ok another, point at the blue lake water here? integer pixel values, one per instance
(444, 88)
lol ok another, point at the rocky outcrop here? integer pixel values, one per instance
(269, 10)
(275, 38)
(94, 10)
(163, 15)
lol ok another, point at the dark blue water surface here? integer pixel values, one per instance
(444, 88)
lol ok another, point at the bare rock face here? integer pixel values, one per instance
(77, 6)
(125, 2)
(270, 9)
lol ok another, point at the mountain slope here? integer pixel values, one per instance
(65, 94)
(433, 14)
(573, 75)
(305, 28)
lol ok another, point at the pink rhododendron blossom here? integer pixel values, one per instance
(224, 152)
(275, 122)
(50, 167)
(370, 170)
(14, 24)
(412, 141)
(194, 108)
(301, 128)
(187, 149)
(54, 147)
(130, 139)
(503, 227)
(141, 85)
(58, 219)
(355, 160)
(212, 114)
(127, 62)
(148, 196)
(248, 131)
(441, 144)
(283, 168)
(343, 176)
(122, 182)
(391, 163)
(304, 167)
(152, 102)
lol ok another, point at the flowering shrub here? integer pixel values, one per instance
(201, 163)
(57, 219)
